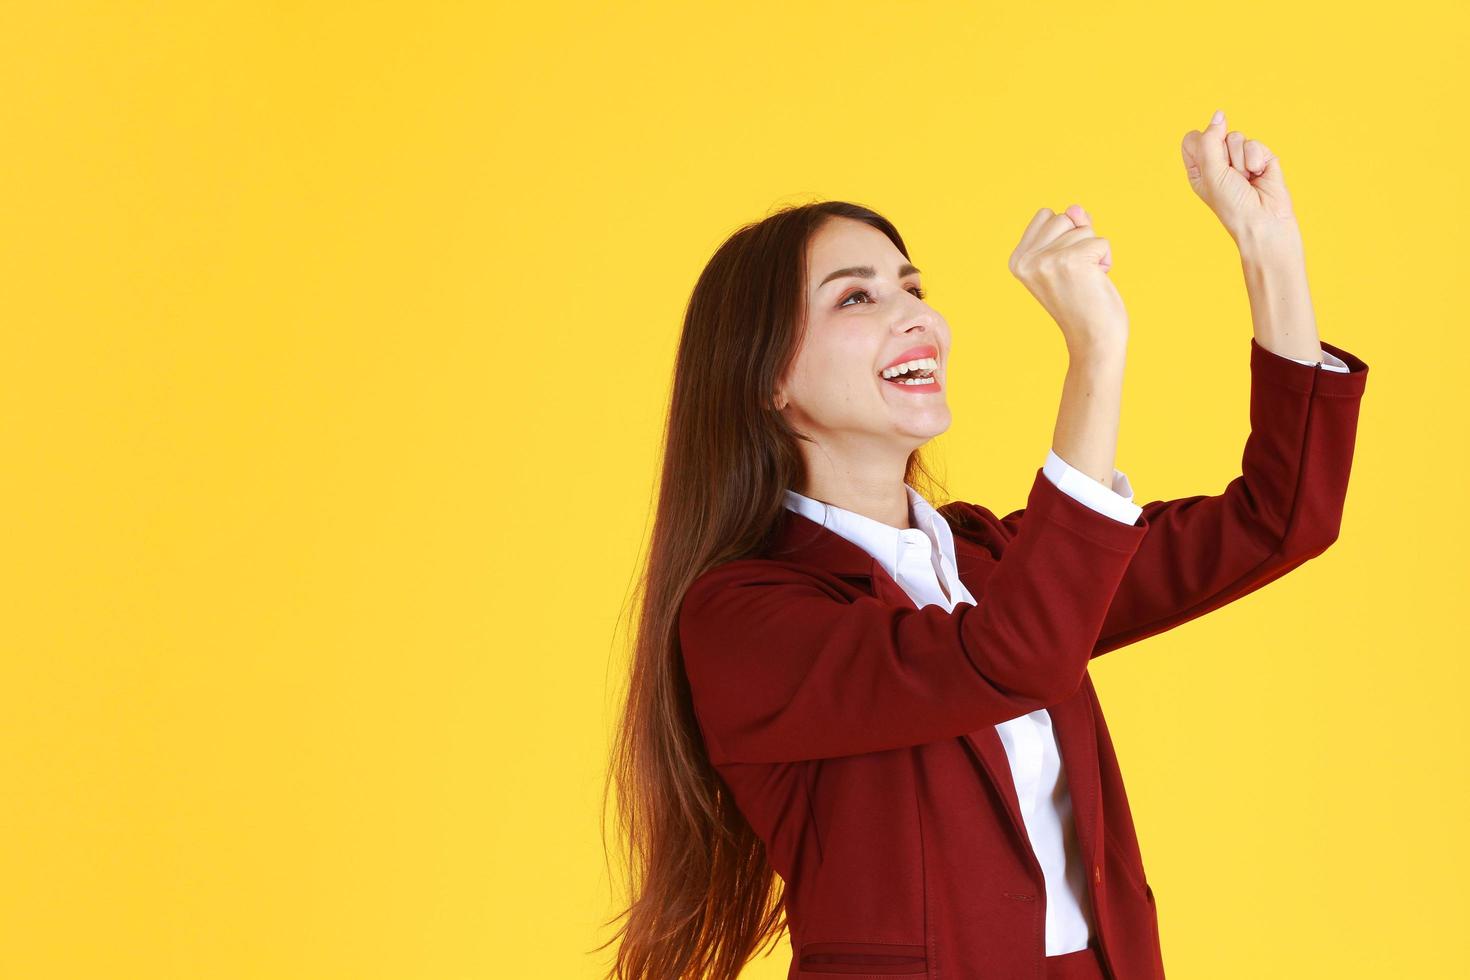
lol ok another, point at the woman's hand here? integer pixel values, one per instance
(1065, 266)
(1240, 179)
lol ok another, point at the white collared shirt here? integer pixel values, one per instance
(922, 561)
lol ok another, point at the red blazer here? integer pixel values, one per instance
(856, 731)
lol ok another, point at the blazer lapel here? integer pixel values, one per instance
(974, 565)
(885, 588)
(798, 538)
(1072, 722)
(1076, 734)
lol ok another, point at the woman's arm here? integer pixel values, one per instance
(1287, 504)
(1286, 507)
(1065, 266)
(783, 663)
(1274, 264)
(1242, 182)
(1086, 433)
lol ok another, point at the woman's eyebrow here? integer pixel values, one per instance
(866, 272)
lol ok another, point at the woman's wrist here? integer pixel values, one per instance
(1278, 243)
(1101, 350)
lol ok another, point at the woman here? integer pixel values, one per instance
(884, 704)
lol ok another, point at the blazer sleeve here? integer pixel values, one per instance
(784, 665)
(1286, 507)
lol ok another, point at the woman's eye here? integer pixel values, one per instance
(917, 291)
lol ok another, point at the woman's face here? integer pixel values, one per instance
(865, 312)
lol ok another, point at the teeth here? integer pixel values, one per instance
(923, 363)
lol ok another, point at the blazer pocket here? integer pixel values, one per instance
(866, 959)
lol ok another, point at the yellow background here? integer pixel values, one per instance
(337, 343)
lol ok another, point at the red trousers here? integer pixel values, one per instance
(1082, 964)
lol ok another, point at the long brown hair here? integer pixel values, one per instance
(704, 899)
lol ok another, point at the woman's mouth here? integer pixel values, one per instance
(918, 377)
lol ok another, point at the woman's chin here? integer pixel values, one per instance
(924, 423)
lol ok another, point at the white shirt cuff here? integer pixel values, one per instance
(1330, 362)
(1116, 503)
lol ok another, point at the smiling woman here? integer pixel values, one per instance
(785, 340)
(867, 719)
(866, 385)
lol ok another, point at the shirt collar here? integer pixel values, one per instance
(880, 540)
